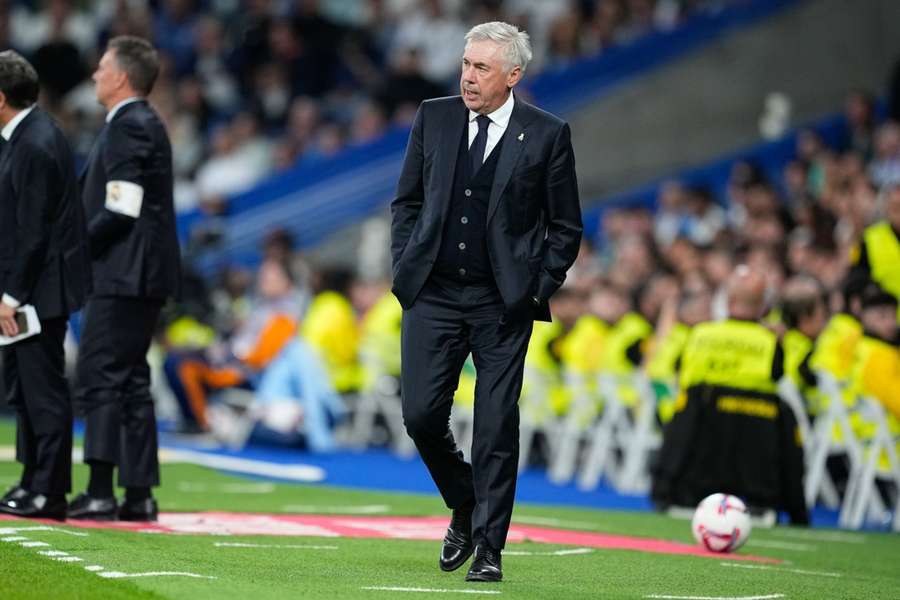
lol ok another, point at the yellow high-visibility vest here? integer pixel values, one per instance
(883, 250)
(730, 353)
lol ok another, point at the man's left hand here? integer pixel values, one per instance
(8, 325)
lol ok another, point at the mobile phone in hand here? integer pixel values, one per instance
(22, 322)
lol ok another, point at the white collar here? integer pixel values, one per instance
(501, 115)
(10, 127)
(112, 112)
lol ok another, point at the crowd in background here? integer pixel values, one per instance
(250, 87)
(633, 291)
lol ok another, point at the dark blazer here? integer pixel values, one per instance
(43, 245)
(135, 257)
(534, 217)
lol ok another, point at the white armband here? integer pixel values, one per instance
(124, 198)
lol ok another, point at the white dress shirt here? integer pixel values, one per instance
(10, 127)
(112, 112)
(499, 121)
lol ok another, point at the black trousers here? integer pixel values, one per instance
(114, 387)
(446, 323)
(35, 381)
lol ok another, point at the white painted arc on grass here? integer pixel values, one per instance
(782, 569)
(14, 538)
(386, 588)
(120, 575)
(33, 544)
(246, 545)
(52, 553)
(93, 568)
(669, 597)
(293, 472)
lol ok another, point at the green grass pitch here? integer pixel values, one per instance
(817, 563)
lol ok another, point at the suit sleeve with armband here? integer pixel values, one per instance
(127, 147)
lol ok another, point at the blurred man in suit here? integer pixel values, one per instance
(486, 222)
(127, 194)
(44, 264)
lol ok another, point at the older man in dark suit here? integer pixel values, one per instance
(486, 222)
(43, 264)
(127, 193)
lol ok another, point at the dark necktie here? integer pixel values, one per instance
(476, 150)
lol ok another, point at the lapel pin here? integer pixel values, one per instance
(521, 136)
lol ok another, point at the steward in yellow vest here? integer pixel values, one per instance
(878, 256)
(804, 313)
(876, 372)
(731, 432)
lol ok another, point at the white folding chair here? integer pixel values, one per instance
(823, 486)
(641, 439)
(381, 399)
(823, 445)
(574, 428)
(605, 436)
(863, 501)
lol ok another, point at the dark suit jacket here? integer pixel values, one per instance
(43, 246)
(534, 217)
(133, 257)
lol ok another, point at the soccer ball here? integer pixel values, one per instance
(721, 523)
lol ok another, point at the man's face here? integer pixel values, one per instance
(108, 77)
(484, 82)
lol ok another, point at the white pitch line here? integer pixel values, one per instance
(783, 570)
(554, 553)
(7, 530)
(120, 575)
(551, 522)
(68, 559)
(363, 509)
(52, 553)
(668, 597)
(13, 538)
(226, 488)
(34, 544)
(426, 590)
(776, 545)
(821, 536)
(244, 545)
(93, 568)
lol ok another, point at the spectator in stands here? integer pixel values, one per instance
(271, 322)
(885, 168)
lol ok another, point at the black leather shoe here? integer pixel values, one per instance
(486, 566)
(139, 510)
(15, 493)
(89, 508)
(36, 506)
(457, 547)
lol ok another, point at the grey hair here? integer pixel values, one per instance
(516, 44)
